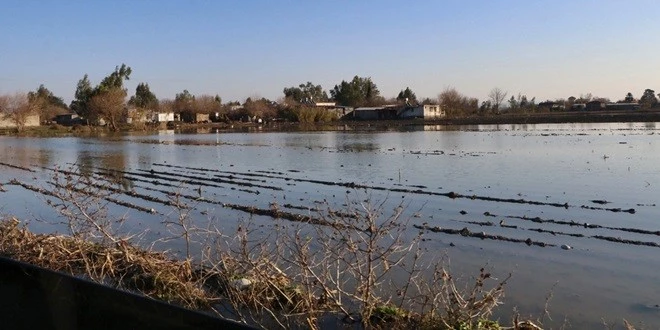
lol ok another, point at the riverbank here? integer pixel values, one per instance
(558, 118)
(343, 125)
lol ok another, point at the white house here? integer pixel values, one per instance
(162, 117)
(425, 111)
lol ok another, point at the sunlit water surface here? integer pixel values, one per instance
(573, 164)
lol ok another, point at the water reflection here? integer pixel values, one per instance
(24, 152)
(110, 163)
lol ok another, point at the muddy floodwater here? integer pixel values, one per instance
(571, 210)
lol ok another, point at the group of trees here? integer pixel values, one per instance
(648, 99)
(106, 102)
(46, 103)
(456, 104)
(306, 93)
(18, 107)
(358, 92)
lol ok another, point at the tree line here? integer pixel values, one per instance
(107, 102)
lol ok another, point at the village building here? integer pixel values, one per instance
(425, 111)
(552, 106)
(162, 117)
(578, 107)
(193, 117)
(339, 110)
(135, 115)
(68, 119)
(595, 106)
(375, 113)
(622, 106)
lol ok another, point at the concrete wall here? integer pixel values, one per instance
(32, 121)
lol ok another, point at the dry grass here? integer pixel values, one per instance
(151, 273)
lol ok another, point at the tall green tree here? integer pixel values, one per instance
(144, 98)
(648, 99)
(184, 101)
(116, 78)
(513, 103)
(85, 92)
(407, 95)
(358, 92)
(306, 93)
(48, 96)
(629, 98)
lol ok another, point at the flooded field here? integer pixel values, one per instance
(571, 210)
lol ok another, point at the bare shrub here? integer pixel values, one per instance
(457, 104)
(17, 108)
(109, 104)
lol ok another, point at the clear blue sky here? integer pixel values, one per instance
(547, 49)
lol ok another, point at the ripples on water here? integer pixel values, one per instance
(574, 181)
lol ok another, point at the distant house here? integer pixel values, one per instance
(595, 106)
(375, 113)
(340, 110)
(622, 106)
(135, 115)
(578, 107)
(425, 111)
(217, 117)
(552, 106)
(162, 117)
(325, 104)
(191, 117)
(68, 119)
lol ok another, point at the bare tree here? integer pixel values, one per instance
(497, 96)
(259, 108)
(166, 105)
(207, 104)
(110, 106)
(457, 104)
(17, 108)
(4, 101)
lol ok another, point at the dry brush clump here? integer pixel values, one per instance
(362, 270)
(122, 264)
(17, 108)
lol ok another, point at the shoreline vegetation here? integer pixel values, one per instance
(263, 295)
(354, 267)
(108, 104)
(55, 130)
